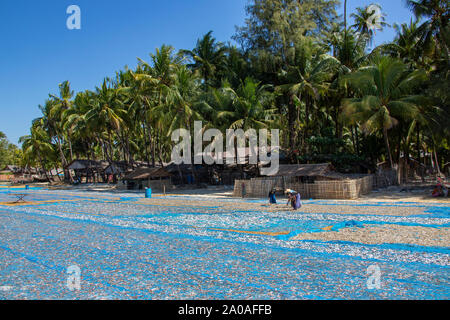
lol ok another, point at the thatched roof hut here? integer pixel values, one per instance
(305, 170)
(148, 174)
(87, 164)
(116, 168)
(12, 169)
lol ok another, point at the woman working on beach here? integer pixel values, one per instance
(294, 199)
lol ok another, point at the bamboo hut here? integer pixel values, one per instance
(318, 181)
(88, 168)
(155, 178)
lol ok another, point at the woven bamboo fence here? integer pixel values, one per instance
(323, 189)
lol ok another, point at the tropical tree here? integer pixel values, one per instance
(37, 146)
(366, 21)
(306, 81)
(436, 25)
(251, 106)
(406, 45)
(384, 96)
(208, 58)
(105, 116)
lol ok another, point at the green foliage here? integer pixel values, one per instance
(9, 153)
(299, 69)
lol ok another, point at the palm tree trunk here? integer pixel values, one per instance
(345, 17)
(418, 143)
(160, 154)
(291, 125)
(146, 144)
(67, 175)
(151, 143)
(353, 138)
(436, 159)
(43, 167)
(70, 148)
(357, 139)
(388, 148)
(306, 131)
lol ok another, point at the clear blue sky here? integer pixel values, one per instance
(38, 52)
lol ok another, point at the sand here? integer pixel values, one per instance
(394, 234)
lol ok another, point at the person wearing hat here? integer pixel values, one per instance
(293, 198)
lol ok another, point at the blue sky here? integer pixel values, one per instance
(38, 51)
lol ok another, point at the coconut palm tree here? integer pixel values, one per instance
(208, 58)
(437, 13)
(306, 81)
(364, 22)
(53, 122)
(106, 116)
(251, 106)
(151, 90)
(37, 146)
(406, 45)
(61, 104)
(384, 96)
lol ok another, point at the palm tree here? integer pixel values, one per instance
(62, 103)
(182, 100)
(345, 14)
(251, 106)
(52, 121)
(384, 96)
(438, 14)
(364, 22)
(306, 81)
(37, 146)
(152, 87)
(208, 58)
(406, 45)
(248, 107)
(106, 115)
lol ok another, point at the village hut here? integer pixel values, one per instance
(154, 178)
(182, 173)
(88, 168)
(308, 173)
(16, 174)
(318, 181)
(116, 170)
(9, 172)
(229, 166)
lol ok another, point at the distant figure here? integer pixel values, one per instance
(291, 199)
(243, 190)
(298, 202)
(294, 199)
(272, 199)
(440, 190)
(437, 192)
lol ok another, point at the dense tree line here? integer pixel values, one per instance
(9, 153)
(298, 67)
